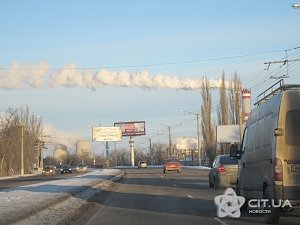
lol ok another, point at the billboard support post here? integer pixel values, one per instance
(131, 142)
(131, 129)
(107, 150)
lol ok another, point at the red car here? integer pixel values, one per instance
(172, 165)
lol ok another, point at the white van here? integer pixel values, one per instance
(269, 157)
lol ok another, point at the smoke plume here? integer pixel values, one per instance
(40, 76)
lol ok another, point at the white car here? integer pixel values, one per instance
(142, 164)
(81, 168)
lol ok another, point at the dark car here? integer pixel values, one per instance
(66, 169)
(223, 172)
(49, 170)
(172, 165)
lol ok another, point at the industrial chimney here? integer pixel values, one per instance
(246, 104)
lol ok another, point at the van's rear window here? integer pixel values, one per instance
(292, 127)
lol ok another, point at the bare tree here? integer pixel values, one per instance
(160, 153)
(207, 126)
(223, 110)
(234, 99)
(120, 157)
(223, 117)
(10, 140)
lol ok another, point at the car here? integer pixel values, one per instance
(142, 164)
(223, 172)
(49, 170)
(81, 168)
(66, 169)
(269, 159)
(172, 165)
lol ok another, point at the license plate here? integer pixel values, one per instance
(295, 168)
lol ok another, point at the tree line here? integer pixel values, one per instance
(227, 114)
(14, 120)
(11, 124)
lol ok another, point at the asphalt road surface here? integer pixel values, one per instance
(148, 196)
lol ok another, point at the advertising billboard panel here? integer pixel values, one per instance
(229, 133)
(186, 143)
(135, 128)
(106, 134)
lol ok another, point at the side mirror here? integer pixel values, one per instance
(235, 152)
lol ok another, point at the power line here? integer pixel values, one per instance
(148, 65)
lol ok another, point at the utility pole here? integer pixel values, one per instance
(199, 149)
(170, 141)
(151, 152)
(169, 151)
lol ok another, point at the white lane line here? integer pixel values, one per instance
(189, 196)
(220, 221)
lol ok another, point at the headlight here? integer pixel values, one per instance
(61, 169)
(50, 171)
(70, 169)
(77, 168)
(44, 171)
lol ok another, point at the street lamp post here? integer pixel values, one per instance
(22, 149)
(198, 135)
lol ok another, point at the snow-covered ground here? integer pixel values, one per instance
(50, 202)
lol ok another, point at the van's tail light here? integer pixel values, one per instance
(221, 169)
(278, 170)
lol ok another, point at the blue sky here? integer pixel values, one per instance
(186, 39)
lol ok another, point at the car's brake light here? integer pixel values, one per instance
(278, 170)
(221, 169)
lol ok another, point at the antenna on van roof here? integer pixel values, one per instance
(284, 62)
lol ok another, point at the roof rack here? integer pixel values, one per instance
(274, 90)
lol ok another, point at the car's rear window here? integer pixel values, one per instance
(172, 160)
(228, 161)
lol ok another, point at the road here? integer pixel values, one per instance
(147, 196)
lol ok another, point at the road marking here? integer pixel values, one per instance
(189, 196)
(175, 185)
(220, 221)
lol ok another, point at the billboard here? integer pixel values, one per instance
(229, 133)
(106, 134)
(186, 143)
(135, 128)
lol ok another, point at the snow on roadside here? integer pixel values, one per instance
(23, 201)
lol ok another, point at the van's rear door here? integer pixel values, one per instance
(288, 148)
